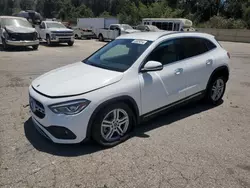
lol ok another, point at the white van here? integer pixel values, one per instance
(170, 24)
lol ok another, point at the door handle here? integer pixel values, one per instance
(178, 71)
(209, 62)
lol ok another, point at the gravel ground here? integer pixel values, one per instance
(194, 146)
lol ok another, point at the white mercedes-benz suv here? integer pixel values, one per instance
(125, 82)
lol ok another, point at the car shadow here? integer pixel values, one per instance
(17, 49)
(55, 45)
(44, 145)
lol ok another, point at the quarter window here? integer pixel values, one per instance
(209, 44)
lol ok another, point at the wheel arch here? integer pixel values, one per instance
(125, 99)
(223, 71)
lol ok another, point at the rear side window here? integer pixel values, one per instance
(195, 46)
(209, 44)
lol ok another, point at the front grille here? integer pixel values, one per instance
(23, 36)
(37, 108)
(63, 34)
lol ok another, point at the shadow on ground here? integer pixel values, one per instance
(44, 145)
(55, 45)
(17, 49)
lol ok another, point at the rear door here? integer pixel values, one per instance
(199, 63)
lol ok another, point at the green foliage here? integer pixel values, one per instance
(247, 17)
(224, 23)
(208, 13)
(27, 4)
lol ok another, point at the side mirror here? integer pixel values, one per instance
(152, 66)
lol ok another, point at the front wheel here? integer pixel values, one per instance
(48, 40)
(113, 125)
(5, 45)
(70, 43)
(35, 47)
(216, 90)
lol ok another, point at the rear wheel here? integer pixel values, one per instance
(113, 125)
(216, 90)
(100, 37)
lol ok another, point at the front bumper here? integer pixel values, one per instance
(22, 43)
(60, 128)
(62, 39)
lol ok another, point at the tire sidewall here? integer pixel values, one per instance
(96, 127)
(48, 40)
(209, 91)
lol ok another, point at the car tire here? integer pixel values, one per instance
(70, 43)
(35, 47)
(113, 125)
(76, 36)
(215, 90)
(100, 37)
(48, 40)
(5, 46)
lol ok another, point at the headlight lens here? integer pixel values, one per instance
(69, 108)
(5, 34)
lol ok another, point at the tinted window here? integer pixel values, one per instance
(209, 44)
(113, 27)
(167, 52)
(170, 26)
(153, 23)
(193, 47)
(158, 24)
(164, 26)
(43, 25)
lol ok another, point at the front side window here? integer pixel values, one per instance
(15, 22)
(55, 25)
(167, 52)
(119, 54)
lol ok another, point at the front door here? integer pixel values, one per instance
(42, 31)
(161, 88)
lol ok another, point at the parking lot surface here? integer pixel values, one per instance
(193, 146)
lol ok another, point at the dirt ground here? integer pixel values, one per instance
(194, 146)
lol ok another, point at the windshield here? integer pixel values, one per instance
(125, 26)
(55, 25)
(119, 54)
(16, 22)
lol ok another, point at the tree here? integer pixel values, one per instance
(27, 4)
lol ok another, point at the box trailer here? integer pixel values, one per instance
(96, 23)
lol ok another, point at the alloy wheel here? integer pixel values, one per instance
(114, 125)
(217, 89)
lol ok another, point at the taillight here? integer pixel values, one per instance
(228, 54)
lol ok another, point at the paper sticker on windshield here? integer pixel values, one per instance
(142, 42)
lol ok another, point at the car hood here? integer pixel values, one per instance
(60, 29)
(75, 79)
(15, 29)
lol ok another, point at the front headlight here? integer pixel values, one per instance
(70, 107)
(5, 34)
